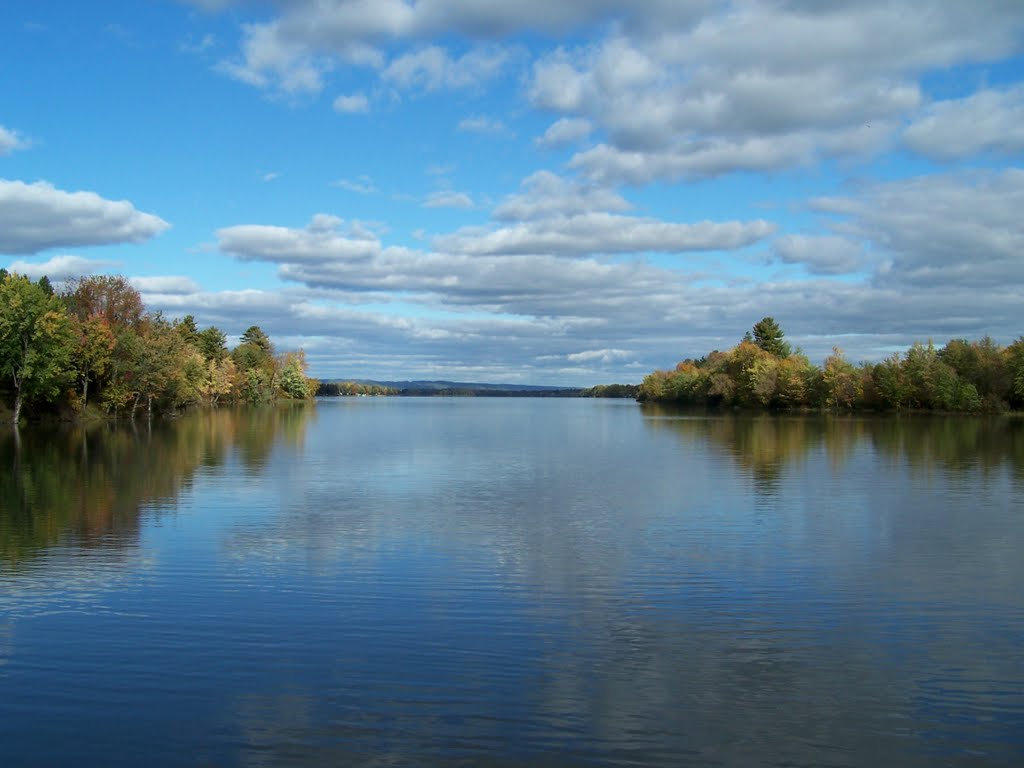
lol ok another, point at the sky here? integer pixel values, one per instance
(532, 192)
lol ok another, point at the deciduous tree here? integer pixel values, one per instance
(35, 340)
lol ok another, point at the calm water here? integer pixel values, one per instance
(492, 582)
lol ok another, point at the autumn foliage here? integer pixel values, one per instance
(94, 345)
(761, 372)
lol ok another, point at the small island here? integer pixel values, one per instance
(764, 372)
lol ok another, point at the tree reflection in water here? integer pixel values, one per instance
(86, 485)
(766, 445)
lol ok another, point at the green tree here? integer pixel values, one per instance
(798, 383)
(212, 343)
(1014, 355)
(219, 379)
(110, 302)
(122, 382)
(768, 336)
(188, 330)
(933, 384)
(839, 381)
(163, 366)
(891, 384)
(256, 377)
(94, 350)
(294, 382)
(35, 340)
(255, 336)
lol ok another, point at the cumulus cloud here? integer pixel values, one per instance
(446, 198)
(768, 86)
(293, 51)
(432, 68)
(822, 254)
(11, 141)
(545, 194)
(352, 104)
(164, 284)
(274, 61)
(604, 233)
(601, 355)
(955, 230)
(563, 132)
(36, 217)
(987, 121)
(681, 89)
(903, 252)
(322, 240)
(61, 267)
(517, 269)
(660, 91)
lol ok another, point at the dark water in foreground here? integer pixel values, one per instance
(380, 582)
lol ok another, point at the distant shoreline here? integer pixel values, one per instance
(337, 388)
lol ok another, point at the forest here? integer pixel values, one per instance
(764, 372)
(93, 349)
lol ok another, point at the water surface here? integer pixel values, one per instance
(502, 582)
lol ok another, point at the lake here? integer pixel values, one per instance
(506, 582)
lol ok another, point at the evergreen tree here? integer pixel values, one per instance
(768, 336)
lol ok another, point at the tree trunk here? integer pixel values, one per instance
(17, 405)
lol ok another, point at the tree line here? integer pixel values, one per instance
(764, 372)
(353, 388)
(93, 345)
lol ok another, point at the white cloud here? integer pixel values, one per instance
(604, 233)
(545, 195)
(679, 89)
(446, 198)
(321, 241)
(958, 231)
(986, 121)
(36, 217)
(673, 90)
(608, 164)
(11, 141)
(564, 132)
(164, 284)
(557, 84)
(767, 86)
(598, 355)
(293, 51)
(352, 104)
(362, 186)
(60, 267)
(822, 254)
(432, 68)
(271, 60)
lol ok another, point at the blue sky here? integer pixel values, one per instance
(533, 192)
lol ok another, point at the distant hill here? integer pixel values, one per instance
(460, 388)
(424, 388)
(475, 386)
